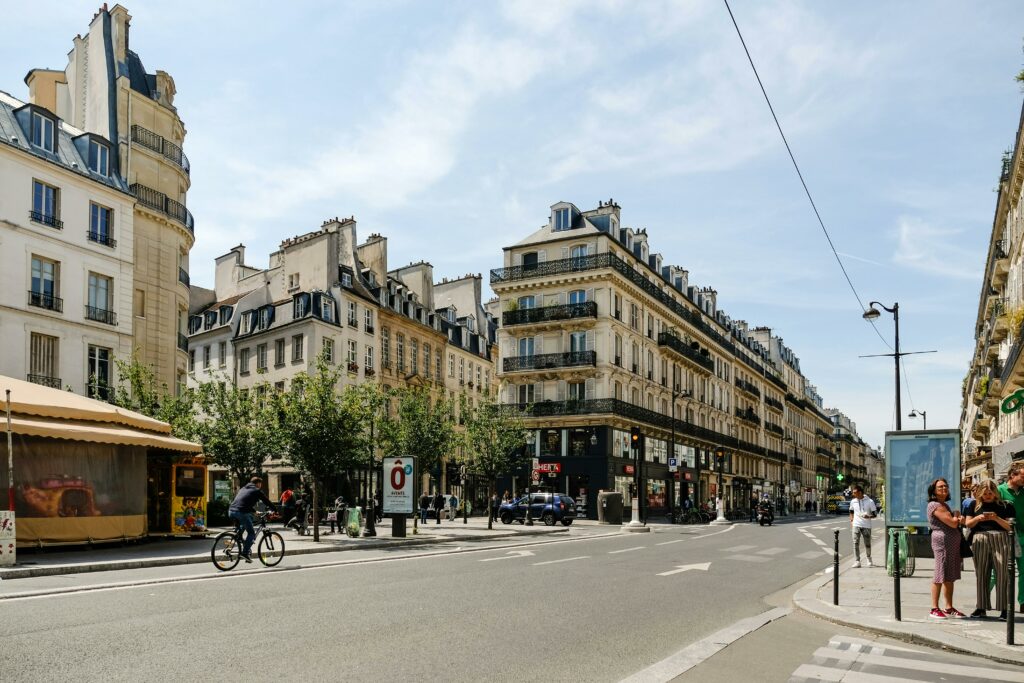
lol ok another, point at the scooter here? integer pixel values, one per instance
(765, 515)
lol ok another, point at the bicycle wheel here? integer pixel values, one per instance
(226, 551)
(271, 548)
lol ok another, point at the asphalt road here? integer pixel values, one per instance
(594, 606)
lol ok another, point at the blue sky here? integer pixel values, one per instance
(452, 127)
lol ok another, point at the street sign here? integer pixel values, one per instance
(399, 483)
(549, 467)
(628, 469)
(536, 477)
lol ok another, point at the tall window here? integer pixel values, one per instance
(578, 251)
(368, 319)
(368, 362)
(400, 352)
(526, 346)
(327, 308)
(42, 131)
(353, 351)
(222, 354)
(414, 356)
(577, 341)
(99, 372)
(45, 275)
(527, 301)
(562, 221)
(426, 361)
(462, 370)
(101, 289)
(261, 357)
(99, 158)
(634, 316)
(385, 347)
(328, 350)
(298, 347)
(451, 364)
(525, 393)
(243, 362)
(618, 350)
(578, 296)
(42, 364)
(577, 391)
(45, 204)
(437, 367)
(353, 314)
(100, 224)
(278, 352)
(206, 357)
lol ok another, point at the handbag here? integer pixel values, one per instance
(965, 544)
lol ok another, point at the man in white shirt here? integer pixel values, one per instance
(862, 511)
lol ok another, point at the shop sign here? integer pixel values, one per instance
(549, 467)
(628, 469)
(398, 485)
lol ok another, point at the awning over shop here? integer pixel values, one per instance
(99, 433)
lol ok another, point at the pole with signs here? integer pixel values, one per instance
(10, 458)
(399, 491)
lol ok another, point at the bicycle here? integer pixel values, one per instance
(227, 547)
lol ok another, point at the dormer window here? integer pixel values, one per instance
(327, 309)
(346, 280)
(266, 316)
(99, 158)
(300, 306)
(42, 131)
(562, 219)
(225, 314)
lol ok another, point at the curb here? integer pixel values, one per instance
(806, 600)
(84, 568)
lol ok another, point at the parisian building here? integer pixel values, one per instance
(991, 437)
(326, 293)
(106, 91)
(66, 230)
(600, 334)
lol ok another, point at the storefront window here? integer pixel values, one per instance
(655, 493)
(551, 443)
(620, 444)
(622, 486)
(687, 455)
(656, 451)
(579, 442)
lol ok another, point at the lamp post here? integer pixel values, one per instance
(872, 314)
(677, 393)
(923, 414)
(369, 530)
(531, 439)
(720, 457)
(789, 438)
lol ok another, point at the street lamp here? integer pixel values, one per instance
(923, 414)
(531, 439)
(720, 457)
(677, 393)
(872, 314)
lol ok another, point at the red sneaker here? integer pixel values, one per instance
(937, 613)
(955, 613)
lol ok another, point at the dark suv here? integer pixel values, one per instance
(545, 507)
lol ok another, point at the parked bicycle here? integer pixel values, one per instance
(227, 547)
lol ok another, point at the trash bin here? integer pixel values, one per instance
(609, 507)
(900, 536)
(353, 521)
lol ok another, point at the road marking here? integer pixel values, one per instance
(749, 558)
(511, 555)
(809, 555)
(738, 548)
(821, 542)
(686, 567)
(692, 655)
(679, 540)
(626, 550)
(568, 559)
(772, 551)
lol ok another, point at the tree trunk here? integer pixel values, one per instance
(316, 522)
(490, 503)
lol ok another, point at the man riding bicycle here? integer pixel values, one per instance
(241, 510)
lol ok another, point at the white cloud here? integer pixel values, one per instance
(926, 248)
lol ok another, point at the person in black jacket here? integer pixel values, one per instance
(438, 505)
(241, 510)
(424, 507)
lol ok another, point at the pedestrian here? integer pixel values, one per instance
(753, 508)
(453, 507)
(1013, 492)
(424, 507)
(968, 502)
(988, 523)
(945, 526)
(507, 498)
(495, 505)
(862, 511)
(438, 505)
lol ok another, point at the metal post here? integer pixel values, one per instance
(369, 529)
(529, 515)
(895, 540)
(10, 457)
(1011, 581)
(465, 501)
(835, 570)
(672, 454)
(899, 409)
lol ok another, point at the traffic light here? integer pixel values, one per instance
(719, 453)
(634, 436)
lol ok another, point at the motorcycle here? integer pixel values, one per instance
(765, 515)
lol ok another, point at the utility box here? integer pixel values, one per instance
(8, 539)
(609, 507)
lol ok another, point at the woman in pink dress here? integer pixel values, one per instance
(945, 526)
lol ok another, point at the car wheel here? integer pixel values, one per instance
(506, 517)
(548, 519)
(566, 522)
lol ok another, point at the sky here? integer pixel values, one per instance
(452, 127)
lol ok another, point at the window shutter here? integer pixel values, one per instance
(538, 392)
(512, 396)
(590, 340)
(591, 248)
(590, 389)
(565, 252)
(590, 294)
(560, 298)
(538, 345)
(517, 259)
(542, 256)
(561, 390)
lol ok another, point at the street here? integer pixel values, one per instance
(596, 605)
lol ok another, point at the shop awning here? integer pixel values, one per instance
(95, 432)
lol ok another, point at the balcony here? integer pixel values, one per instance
(158, 201)
(748, 447)
(47, 301)
(46, 219)
(748, 415)
(160, 145)
(101, 315)
(183, 277)
(772, 403)
(45, 380)
(824, 451)
(182, 342)
(1000, 263)
(799, 462)
(544, 361)
(691, 352)
(746, 386)
(527, 316)
(774, 429)
(614, 406)
(105, 240)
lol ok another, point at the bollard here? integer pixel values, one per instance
(1011, 582)
(895, 540)
(835, 571)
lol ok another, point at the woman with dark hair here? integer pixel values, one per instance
(945, 526)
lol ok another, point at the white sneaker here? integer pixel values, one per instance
(856, 565)
(870, 564)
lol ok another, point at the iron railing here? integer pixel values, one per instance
(522, 316)
(773, 403)
(158, 201)
(183, 277)
(748, 387)
(568, 359)
(748, 415)
(105, 240)
(689, 351)
(774, 429)
(161, 145)
(47, 301)
(182, 342)
(45, 380)
(101, 315)
(46, 219)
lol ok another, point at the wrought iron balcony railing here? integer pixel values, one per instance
(182, 342)
(523, 316)
(161, 145)
(158, 201)
(47, 301)
(691, 351)
(774, 429)
(183, 277)
(748, 387)
(46, 219)
(771, 402)
(105, 240)
(101, 315)
(748, 415)
(568, 359)
(45, 380)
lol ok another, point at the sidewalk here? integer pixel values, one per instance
(177, 551)
(866, 602)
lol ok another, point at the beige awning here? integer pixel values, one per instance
(95, 432)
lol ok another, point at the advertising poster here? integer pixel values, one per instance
(8, 551)
(399, 485)
(912, 461)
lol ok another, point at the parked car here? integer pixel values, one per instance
(842, 507)
(544, 507)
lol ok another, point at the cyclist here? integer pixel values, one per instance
(241, 510)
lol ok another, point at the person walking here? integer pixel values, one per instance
(1012, 491)
(753, 508)
(438, 505)
(424, 507)
(495, 505)
(945, 527)
(862, 511)
(987, 521)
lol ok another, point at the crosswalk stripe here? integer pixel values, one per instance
(625, 550)
(568, 559)
(809, 555)
(748, 558)
(918, 664)
(738, 548)
(772, 551)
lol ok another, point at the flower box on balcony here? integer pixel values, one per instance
(353, 367)
(369, 372)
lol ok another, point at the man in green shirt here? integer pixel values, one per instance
(1013, 491)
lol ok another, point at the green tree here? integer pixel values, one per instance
(495, 435)
(322, 429)
(137, 390)
(372, 401)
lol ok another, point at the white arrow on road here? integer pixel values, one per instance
(511, 554)
(686, 567)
